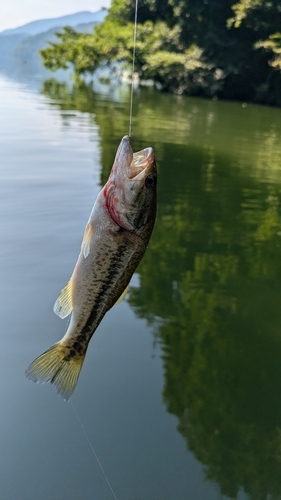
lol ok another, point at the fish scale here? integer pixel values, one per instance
(115, 239)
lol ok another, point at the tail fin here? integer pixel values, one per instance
(56, 365)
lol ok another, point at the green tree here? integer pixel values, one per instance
(76, 50)
(261, 20)
(202, 47)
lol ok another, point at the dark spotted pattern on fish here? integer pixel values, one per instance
(115, 239)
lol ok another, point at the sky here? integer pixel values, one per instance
(14, 13)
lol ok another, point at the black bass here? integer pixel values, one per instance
(115, 239)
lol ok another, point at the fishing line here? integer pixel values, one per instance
(130, 131)
(93, 450)
(133, 69)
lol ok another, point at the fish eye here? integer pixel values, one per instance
(150, 181)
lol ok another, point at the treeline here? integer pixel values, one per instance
(213, 48)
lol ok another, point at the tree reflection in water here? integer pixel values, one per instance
(211, 281)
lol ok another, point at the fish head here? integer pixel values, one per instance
(131, 187)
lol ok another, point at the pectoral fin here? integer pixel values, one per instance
(122, 296)
(63, 305)
(87, 238)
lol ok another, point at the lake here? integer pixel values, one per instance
(180, 392)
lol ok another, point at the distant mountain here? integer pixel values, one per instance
(19, 47)
(27, 49)
(8, 44)
(36, 27)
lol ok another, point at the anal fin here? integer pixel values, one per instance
(63, 305)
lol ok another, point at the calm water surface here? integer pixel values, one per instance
(180, 392)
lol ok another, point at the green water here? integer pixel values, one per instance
(210, 284)
(203, 317)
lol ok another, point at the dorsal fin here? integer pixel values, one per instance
(86, 242)
(63, 305)
(122, 296)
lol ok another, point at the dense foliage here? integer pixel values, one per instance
(196, 47)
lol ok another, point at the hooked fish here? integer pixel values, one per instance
(115, 240)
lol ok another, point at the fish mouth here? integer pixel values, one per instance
(142, 164)
(139, 164)
(143, 158)
(124, 154)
